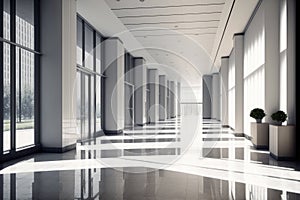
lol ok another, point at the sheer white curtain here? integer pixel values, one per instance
(254, 70)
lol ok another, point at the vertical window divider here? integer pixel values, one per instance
(13, 74)
(37, 72)
(83, 43)
(1, 82)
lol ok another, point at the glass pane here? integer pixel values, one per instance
(25, 23)
(78, 111)
(6, 19)
(98, 103)
(89, 48)
(24, 98)
(98, 53)
(6, 97)
(92, 103)
(79, 42)
(85, 108)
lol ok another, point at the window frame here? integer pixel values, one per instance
(25, 150)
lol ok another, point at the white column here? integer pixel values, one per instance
(168, 100)
(207, 94)
(140, 98)
(224, 90)
(239, 82)
(216, 101)
(178, 98)
(154, 96)
(114, 86)
(272, 83)
(172, 99)
(58, 75)
(162, 97)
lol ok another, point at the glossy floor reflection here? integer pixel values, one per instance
(167, 160)
(131, 184)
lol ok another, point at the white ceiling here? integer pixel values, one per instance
(182, 37)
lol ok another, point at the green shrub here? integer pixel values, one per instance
(257, 113)
(279, 116)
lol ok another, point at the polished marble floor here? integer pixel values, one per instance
(182, 158)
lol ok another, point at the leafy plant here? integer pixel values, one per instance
(279, 116)
(257, 113)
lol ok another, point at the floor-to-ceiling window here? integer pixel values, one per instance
(19, 75)
(254, 70)
(89, 74)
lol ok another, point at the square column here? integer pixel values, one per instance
(178, 98)
(114, 86)
(163, 97)
(224, 90)
(58, 131)
(168, 100)
(238, 40)
(153, 84)
(216, 94)
(140, 96)
(172, 99)
(207, 96)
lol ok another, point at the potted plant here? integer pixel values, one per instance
(259, 131)
(282, 138)
(279, 117)
(258, 114)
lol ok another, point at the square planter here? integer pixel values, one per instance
(282, 142)
(260, 135)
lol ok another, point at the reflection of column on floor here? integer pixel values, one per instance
(112, 184)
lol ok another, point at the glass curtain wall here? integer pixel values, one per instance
(19, 83)
(89, 74)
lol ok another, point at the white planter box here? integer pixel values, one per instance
(282, 142)
(260, 135)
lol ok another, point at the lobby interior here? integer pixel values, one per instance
(140, 99)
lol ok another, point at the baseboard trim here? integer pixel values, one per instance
(141, 124)
(114, 132)
(226, 126)
(261, 147)
(279, 158)
(239, 134)
(59, 149)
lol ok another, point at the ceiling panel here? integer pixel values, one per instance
(169, 10)
(178, 34)
(117, 4)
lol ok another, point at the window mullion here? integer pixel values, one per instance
(13, 73)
